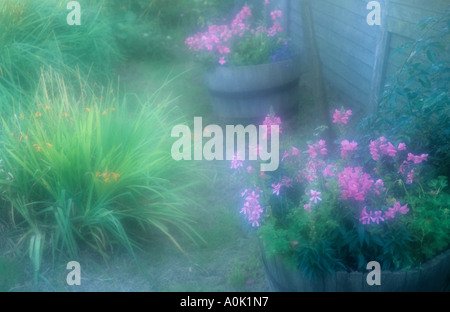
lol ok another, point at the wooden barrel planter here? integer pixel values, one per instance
(248, 92)
(432, 276)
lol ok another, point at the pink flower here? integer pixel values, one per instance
(276, 188)
(222, 61)
(315, 196)
(235, 162)
(379, 186)
(388, 149)
(397, 208)
(403, 209)
(377, 217)
(347, 146)
(312, 151)
(276, 14)
(354, 183)
(417, 159)
(318, 148)
(266, 1)
(295, 151)
(286, 182)
(327, 172)
(341, 116)
(272, 120)
(250, 169)
(410, 177)
(307, 207)
(285, 155)
(252, 208)
(374, 145)
(402, 147)
(365, 217)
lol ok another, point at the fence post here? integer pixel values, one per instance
(381, 57)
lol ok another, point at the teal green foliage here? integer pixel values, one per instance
(414, 106)
(92, 174)
(156, 29)
(35, 36)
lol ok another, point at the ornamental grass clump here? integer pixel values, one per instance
(245, 41)
(34, 35)
(84, 171)
(338, 205)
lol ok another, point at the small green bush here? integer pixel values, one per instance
(414, 107)
(85, 171)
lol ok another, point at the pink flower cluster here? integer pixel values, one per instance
(377, 216)
(347, 146)
(318, 148)
(218, 37)
(412, 159)
(383, 147)
(252, 208)
(312, 168)
(379, 187)
(397, 208)
(272, 120)
(328, 171)
(354, 183)
(341, 116)
(284, 182)
(417, 159)
(235, 162)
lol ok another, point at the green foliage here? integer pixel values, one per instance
(34, 35)
(415, 102)
(156, 29)
(9, 274)
(430, 222)
(85, 171)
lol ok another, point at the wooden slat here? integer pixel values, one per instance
(437, 6)
(332, 38)
(349, 60)
(350, 22)
(346, 88)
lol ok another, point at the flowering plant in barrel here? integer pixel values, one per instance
(247, 40)
(335, 206)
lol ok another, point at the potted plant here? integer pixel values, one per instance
(250, 66)
(330, 210)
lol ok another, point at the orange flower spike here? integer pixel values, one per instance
(38, 114)
(104, 175)
(88, 109)
(21, 116)
(38, 105)
(47, 107)
(12, 134)
(104, 112)
(26, 137)
(115, 176)
(97, 174)
(107, 180)
(21, 137)
(49, 144)
(113, 109)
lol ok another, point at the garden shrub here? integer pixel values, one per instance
(415, 106)
(84, 171)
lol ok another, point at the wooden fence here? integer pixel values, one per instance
(355, 57)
